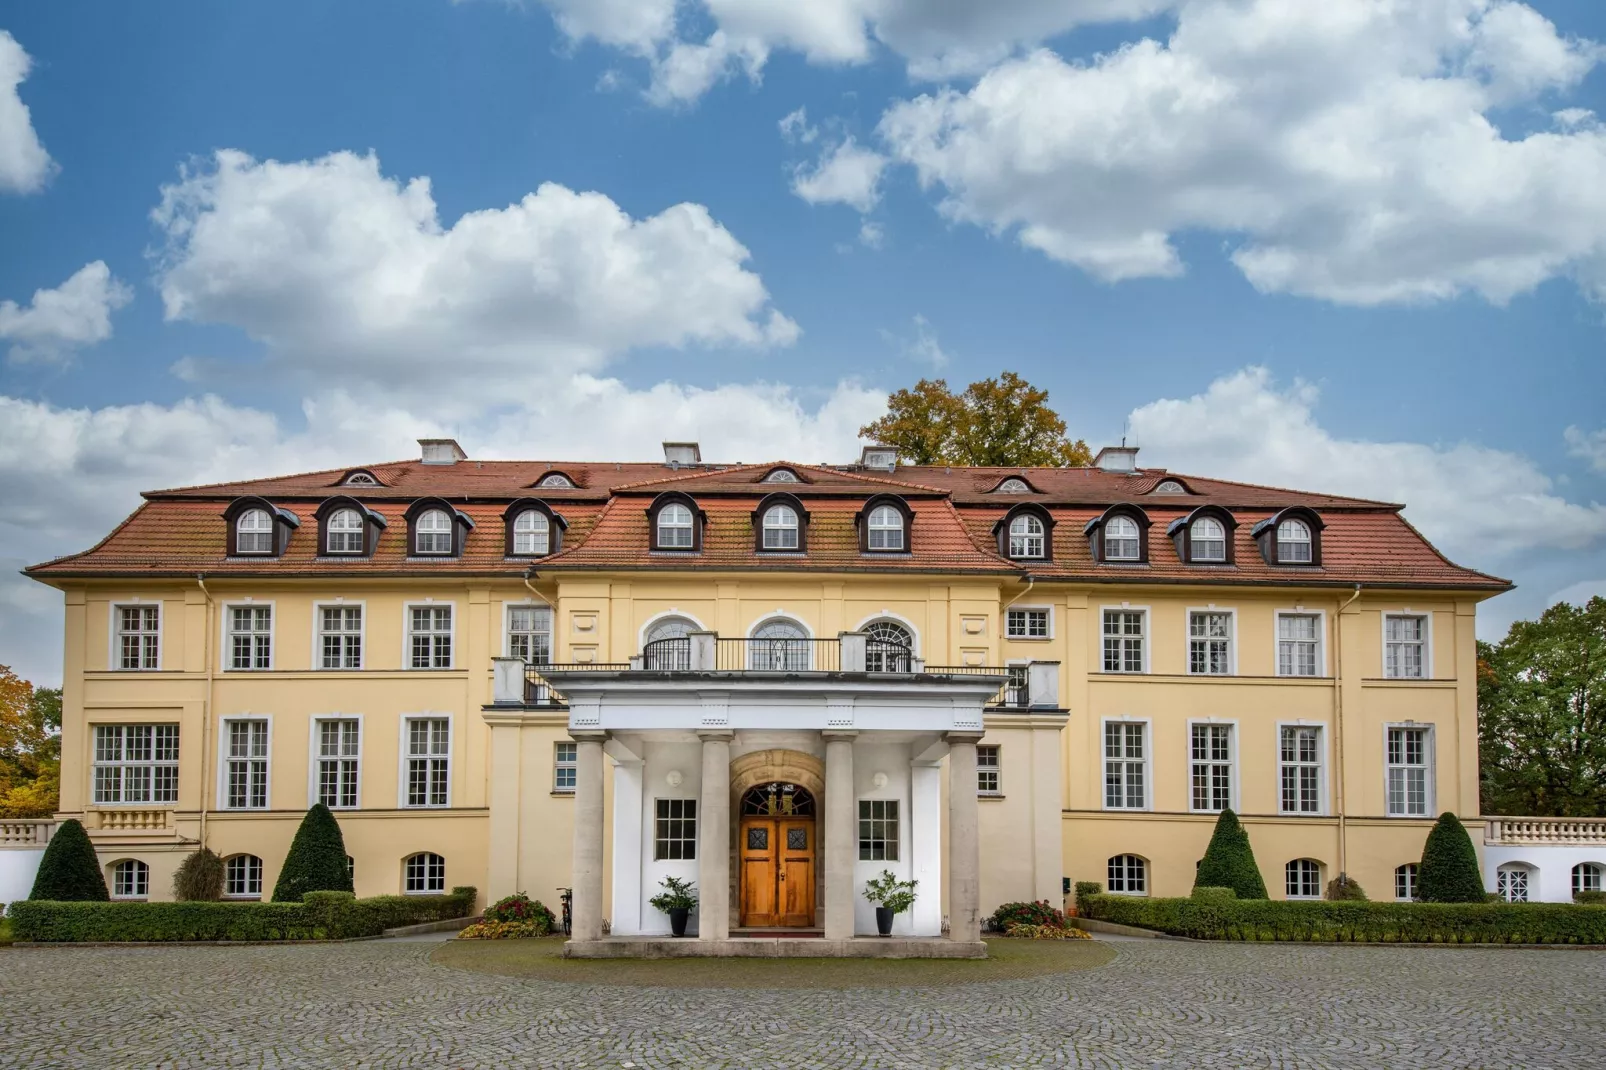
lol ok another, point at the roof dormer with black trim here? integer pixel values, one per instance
(886, 525)
(1204, 536)
(675, 524)
(258, 528)
(1292, 536)
(780, 525)
(436, 528)
(1119, 535)
(1025, 533)
(532, 528)
(348, 528)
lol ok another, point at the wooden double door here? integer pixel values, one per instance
(777, 868)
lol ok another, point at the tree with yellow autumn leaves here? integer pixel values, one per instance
(1001, 423)
(30, 747)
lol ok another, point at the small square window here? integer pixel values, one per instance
(565, 760)
(1026, 624)
(987, 770)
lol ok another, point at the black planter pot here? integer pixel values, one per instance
(883, 921)
(677, 921)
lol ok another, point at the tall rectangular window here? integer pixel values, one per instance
(988, 771)
(1123, 640)
(1408, 772)
(1211, 767)
(429, 636)
(1298, 652)
(878, 830)
(340, 637)
(138, 636)
(529, 634)
(1210, 643)
(1299, 762)
(136, 763)
(565, 759)
(674, 829)
(245, 768)
(250, 637)
(429, 761)
(1125, 786)
(339, 747)
(1405, 647)
(1026, 624)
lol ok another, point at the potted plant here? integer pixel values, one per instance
(677, 900)
(891, 897)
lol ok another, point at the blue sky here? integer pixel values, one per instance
(1363, 253)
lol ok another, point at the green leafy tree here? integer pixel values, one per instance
(1229, 861)
(69, 872)
(1003, 422)
(199, 878)
(1449, 869)
(1542, 714)
(317, 859)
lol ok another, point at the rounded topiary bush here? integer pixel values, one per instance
(317, 859)
(69, 872)
(1344, 888)
(1449, 869)
(199, 878)
(1229, 862)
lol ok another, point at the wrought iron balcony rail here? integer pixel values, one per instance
(777, 655)
(538, 692)
(1015, 691)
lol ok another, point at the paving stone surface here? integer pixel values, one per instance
(1158, 1004)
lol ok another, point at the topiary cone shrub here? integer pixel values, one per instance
(317, 859)
(1229, 862)
(199, 878)
(1449, 869)
(69, 872)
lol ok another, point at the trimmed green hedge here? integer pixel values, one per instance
(1212, 918)
(322, 916)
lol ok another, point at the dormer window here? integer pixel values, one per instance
(675, 527)
(1209, 540)
(781, 475)
(556, 481)
(1121, 539)
(436, 528)
(1292, 536)
(1012, 486)
(886, 528)
(675, 523)
(1169, 486)
(433, 532)
(1120, 536)
(1293, 542)
(1026, 536)
(344, 532)
(1204, 536)
(253, 532)
(780, 528)
(347, 527)
(532, 533)
(360, 479)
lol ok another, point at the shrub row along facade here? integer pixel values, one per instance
(776, 680)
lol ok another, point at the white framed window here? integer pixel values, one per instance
(1026, 536)
(351, 868)
(1128, 875)
(1210, 642)
(242, 877)
(780, 528)
(137, 637)
(1210, 762)
(565, 762)
(878, 830)
(888, 647)
(1012, 486)
(432, 533)
(557, 481)
(1588, 877)
(1300, 758)
(248, 638)
(1302, 879)
(426, 761)
(131, 879)
(253, 532)
(988, 770)
(1126, 765)
(1299, 644)
(532, 533)
(673, 655)
(674, 834)
(424, 874)
(1406, 646)
(244, 767)
(1408, 764)
(1293, 542)
(1207, 538)
(339, 636)
(1512, 882)
(529, 634)
(429, 636)
(780, 645)
(344, 532)
(136, 763)
(1028, 622)
(1169, 486)
(675, 530)
(1121, 540)
(337, 774)
(885, 529)
(1405, 882)
(1125, 632)
(781, 475)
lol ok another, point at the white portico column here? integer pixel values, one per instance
(964, 839)
(587, 917)
(714, 839)
(840, 825)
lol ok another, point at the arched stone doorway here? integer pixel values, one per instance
(776, 870)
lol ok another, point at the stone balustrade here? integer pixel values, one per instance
(1557, 830)
(26, 833)
(133, 821)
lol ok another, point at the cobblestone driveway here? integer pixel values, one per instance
(1158, 1004)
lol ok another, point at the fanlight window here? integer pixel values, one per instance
(434, 532)
(345, 532)
(779, 646)
(558, 480)
(674, 527)
(889, 647)
(886, 528)
(1026, 536)
(782, 475)
(253, 532)
(780, 528)
(1012, 486)
(532, 532)
(1209, 539)
(777, 800)
(666, 647)
(1293, 542)
(1121, 539)
(359, 479)
(1170, 486)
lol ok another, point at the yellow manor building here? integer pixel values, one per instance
(775, 680)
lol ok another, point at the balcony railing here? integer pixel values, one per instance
(777, 655)
(1015, 692)
(26, 832)
(538, 692)
(1584, 831)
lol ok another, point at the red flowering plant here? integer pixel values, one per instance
(521, 908)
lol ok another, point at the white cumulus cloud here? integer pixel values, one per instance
(847, 174)
(25, 166)
(58, 322)
(1590, 445)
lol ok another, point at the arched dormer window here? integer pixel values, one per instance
(436, 529)
(1170, 486)
(555, 481)
(258, 528)
(1290, 537)
(348, 528)
(345, 532)
(1204, 536)
(885, 525)
(360, 477)
(1120, 536)
(532, 529)
(1013, 485)
(781, 475)
(780, 528)
(1026, 533)
(780, 525)
(676, 522)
